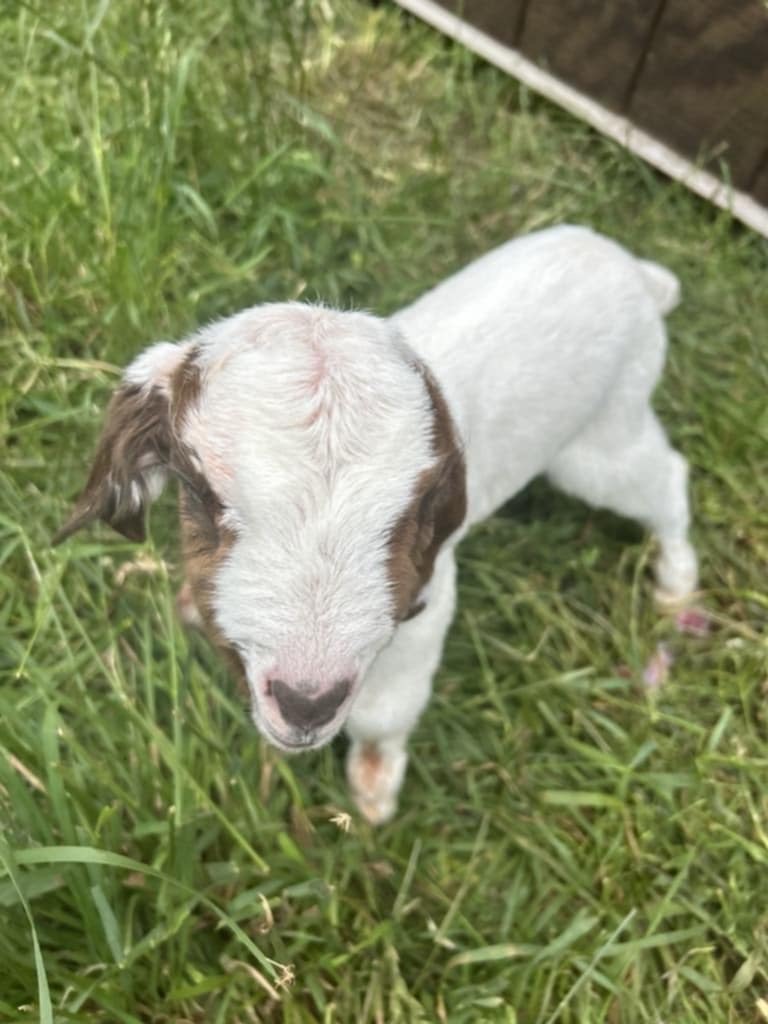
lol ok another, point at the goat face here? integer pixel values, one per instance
(320, 474)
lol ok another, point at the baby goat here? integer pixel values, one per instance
(330, 463)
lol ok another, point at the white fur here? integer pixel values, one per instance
(548, 350)
(155, 365)
(313, 427)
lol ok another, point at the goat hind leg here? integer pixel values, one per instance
(636, 473)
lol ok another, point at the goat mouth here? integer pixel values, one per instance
(294, 746)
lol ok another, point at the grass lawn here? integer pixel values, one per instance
(572, 845)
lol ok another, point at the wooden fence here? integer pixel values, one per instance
(683, 82)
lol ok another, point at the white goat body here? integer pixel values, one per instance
(332, 461)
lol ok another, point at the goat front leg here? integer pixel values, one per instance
(396, 690)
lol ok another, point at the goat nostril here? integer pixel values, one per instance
(308, 712)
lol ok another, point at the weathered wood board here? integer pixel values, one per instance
(599, 47)
(499, 18)
(689, 74)
(704, 86)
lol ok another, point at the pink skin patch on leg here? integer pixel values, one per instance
(693, 622)
(688, 622)
(656, 671)
(369, 766)
(375, 775)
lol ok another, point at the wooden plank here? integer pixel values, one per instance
(501, 19)
(704, 86)
(596, 45)
(577, 102)
(759, 186)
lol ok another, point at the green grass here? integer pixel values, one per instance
(570, 847)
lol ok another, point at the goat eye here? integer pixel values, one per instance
(204, 500)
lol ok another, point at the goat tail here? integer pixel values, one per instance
(663, 285)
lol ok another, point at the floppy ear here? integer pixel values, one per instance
(129, 466)
(443, 507)
(436, 511)
(441, 511)
(131, 461)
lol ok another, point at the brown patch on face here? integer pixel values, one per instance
(437, 508)
(205, 542)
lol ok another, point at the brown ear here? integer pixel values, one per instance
(443, 507)
(437, 510)
(129, 466)
(441, 511)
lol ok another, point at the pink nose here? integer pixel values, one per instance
(308, 712)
